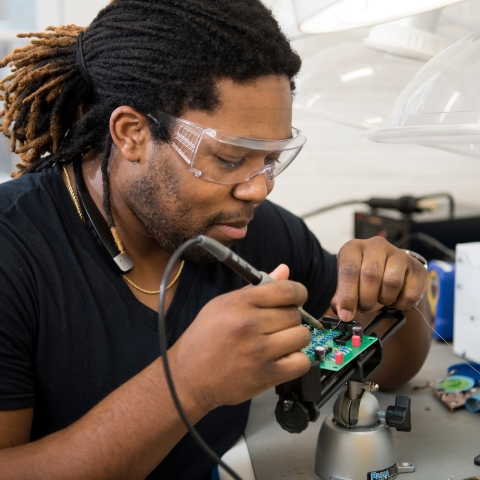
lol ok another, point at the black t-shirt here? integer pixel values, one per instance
(71, 331)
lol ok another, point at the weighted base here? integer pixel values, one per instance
(356, 453)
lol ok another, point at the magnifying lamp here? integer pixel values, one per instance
(323, 16)
(357, 83)
(461, 19)
(441, 106)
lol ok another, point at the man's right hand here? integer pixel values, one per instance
(243, 343)
(239, 345)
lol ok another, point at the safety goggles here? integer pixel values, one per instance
(229, 159)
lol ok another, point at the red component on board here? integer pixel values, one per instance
(356, 340)
(339, 358)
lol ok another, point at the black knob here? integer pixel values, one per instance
(399, 415)
(292, 415)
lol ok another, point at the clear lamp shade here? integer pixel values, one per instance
(323, 16)
(461, 19)
(353, 84)
(441, 106)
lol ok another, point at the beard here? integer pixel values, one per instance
(171, 220)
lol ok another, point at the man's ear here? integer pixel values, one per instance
(130, 132)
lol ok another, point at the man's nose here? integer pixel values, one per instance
(254, 190)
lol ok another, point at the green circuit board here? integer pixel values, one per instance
(336, 340)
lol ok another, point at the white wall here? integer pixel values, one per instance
(64, 12)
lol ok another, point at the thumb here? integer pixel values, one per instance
(281, 272)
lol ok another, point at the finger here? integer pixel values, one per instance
(287, 341)
(393, 279)
(276, 294)
(281, 272)
(349, 267)
(414, 286)
(333, 305)
(271, 320)
(371, 278)
(289, 367)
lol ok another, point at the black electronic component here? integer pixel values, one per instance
(334, 323)
(357, 331)
(405, 204)
(462, 227)
(320, 354)
(342, 339)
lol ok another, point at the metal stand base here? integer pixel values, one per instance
(357, 453)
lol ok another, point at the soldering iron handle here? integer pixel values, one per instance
(231, 260)
(246, 271)
(266, 278)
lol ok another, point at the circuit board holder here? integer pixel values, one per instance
(300, 399)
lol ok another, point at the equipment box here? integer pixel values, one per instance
(466, 334)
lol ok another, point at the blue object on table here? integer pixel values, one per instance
(467, 370)
(215, 474)
(440, 293)
(472, 404)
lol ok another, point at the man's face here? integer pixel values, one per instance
(173, 205)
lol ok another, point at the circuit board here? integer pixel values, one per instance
(336, 341)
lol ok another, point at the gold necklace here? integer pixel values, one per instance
(156, 292)
(72, 194)
(79, 211)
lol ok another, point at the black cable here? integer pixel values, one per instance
(430, 241)
(406, 204)
(162, 334)
(331, 207)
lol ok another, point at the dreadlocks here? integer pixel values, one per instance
(165, 53)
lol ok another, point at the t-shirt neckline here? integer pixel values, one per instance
(138, 309)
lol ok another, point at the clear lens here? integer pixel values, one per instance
(223, 162)
(228, 159)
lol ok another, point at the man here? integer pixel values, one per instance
(82, 388)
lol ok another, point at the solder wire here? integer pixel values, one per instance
(434, 331)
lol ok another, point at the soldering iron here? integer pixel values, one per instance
(247, 272)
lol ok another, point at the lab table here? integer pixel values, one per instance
(442, 444)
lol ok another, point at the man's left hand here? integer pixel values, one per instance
(373, 272)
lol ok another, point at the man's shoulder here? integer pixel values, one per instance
(26, 185)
